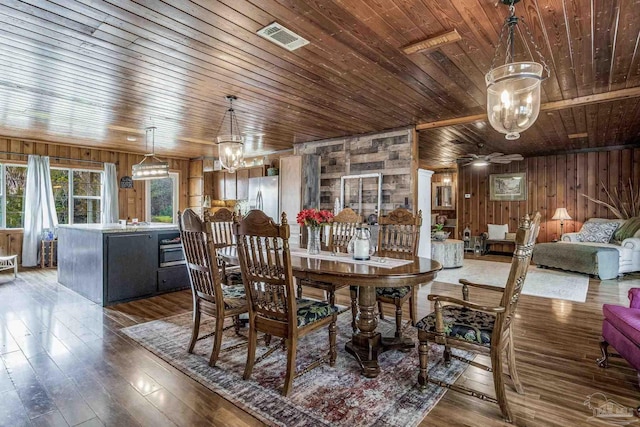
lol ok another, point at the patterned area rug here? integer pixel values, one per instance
(326, 396)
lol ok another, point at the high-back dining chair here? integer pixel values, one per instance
(398, 235)
(343, 227)
(221, 229)
(265, 261)
(486, 329)
(209, 297)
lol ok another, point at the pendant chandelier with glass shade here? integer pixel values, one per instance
(230, 144)
(513, 89)
(150, 167)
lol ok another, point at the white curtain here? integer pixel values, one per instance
(39, 208)
(109, 194)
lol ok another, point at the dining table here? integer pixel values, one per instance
(403, 270)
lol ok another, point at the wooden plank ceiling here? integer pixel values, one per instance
(93, 73)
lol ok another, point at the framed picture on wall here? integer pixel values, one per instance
(508, 186)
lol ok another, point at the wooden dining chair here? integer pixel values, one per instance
(265, 261)
(221, 228)
(486, 329)
(398, 235)
(342, 230)
(209, 297)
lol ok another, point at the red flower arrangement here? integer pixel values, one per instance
(314, 217)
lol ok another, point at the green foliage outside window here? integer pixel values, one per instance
(161, 200)
(15, 179)
(60, 184)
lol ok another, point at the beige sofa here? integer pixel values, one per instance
(628, 249)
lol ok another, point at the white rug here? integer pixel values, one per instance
(539, 282)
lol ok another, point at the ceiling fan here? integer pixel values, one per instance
(483, 160)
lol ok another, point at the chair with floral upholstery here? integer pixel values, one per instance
(486, 329)
(265, 262)
(398, 235)
(209, 297)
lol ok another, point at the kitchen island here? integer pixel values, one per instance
(112, 263)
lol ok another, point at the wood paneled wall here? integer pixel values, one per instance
(552, 182)
(131, 201)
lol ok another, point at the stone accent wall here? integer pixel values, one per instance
(388, 153)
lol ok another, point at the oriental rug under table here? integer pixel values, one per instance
(326, 396)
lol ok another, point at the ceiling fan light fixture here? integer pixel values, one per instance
(513, 89)
(230, 144)
(150, 167)
(479, 163)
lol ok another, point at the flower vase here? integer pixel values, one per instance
(313, 240)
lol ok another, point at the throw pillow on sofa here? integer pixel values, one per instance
(627, 230)
(597, 232)
(497, 232)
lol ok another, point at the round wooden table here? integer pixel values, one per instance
(367, 343)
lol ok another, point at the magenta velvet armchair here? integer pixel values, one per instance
(621, 330)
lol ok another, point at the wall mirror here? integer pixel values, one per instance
(362, 193)
(443, 196)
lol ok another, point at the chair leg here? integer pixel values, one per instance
(398, 303)
(354, 309)
(331, 297)
(511, 359)
(236, 324)
(251, 351)
(217, 339)
(446, 354)
(498, 382)
(333, 352)
(603, 362)
(380, 310)
(299, 289)
(423, 354)
(196, 326)
(267, 340)
(291, 366)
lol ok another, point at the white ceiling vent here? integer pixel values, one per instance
(282, 36)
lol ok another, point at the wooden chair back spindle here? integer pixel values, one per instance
(265, 261)
(343, 228)
(399, 232)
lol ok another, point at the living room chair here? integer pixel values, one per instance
(398, 235)
(485, 329)
(265, 261)
(621, 330)
(209, 297)
(221, 227)
(342, 230)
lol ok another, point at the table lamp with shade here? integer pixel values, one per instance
(561, 214)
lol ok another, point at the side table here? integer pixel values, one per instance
(49, 254)
(449, 253)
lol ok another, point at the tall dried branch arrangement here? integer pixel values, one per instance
(624, 203)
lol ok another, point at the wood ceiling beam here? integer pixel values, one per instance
(616, 95)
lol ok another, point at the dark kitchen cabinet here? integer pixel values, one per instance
(131, 261)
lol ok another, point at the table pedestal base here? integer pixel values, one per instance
(366, 350)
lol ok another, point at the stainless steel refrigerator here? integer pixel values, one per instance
(263, 195)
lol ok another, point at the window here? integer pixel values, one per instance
(60, 184)
(162, 199)
(15, 179)
(86, 196)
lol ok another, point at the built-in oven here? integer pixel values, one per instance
(171, 252)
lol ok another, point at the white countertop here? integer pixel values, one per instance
(117, 228)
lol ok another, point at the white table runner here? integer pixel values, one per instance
(374, 261)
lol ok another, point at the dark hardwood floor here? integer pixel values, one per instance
(64, 362)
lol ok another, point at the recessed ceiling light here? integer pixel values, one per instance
(131, 138)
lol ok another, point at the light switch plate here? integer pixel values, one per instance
(467, 196)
